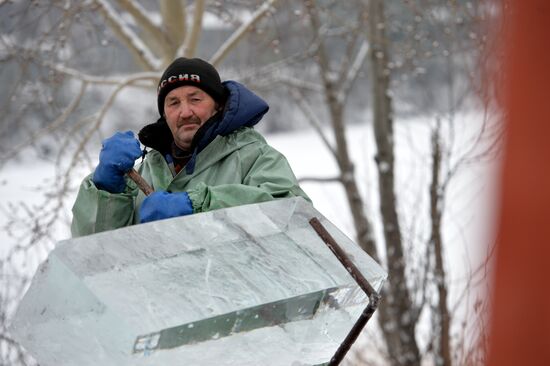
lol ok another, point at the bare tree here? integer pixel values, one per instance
(436, 241)
(58, 92)
(408, 292)
(401, 344)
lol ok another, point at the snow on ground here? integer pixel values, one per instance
(469, 209)
(19, 183)
(470, 200)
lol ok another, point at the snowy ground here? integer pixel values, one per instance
(468, 219)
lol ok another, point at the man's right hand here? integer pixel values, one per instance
(117, 156)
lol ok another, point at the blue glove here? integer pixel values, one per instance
(162, 205)
(117, 157)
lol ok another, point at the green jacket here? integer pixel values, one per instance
(236, 169)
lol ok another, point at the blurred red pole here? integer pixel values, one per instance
(520, 327)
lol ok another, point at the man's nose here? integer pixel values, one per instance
(185, 110)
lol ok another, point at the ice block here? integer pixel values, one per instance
(248, 285)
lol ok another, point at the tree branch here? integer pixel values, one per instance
(189, 47)
(312, 119)
(48, 129)
(351, 76)
(320, 180)
(140, 51)
(298, 83)
(234, 39)
(174, 18)
(144, 19)
(99, 80)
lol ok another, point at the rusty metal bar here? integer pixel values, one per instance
(342, 256)
(141, 183)
(355, 331)
(374, 297)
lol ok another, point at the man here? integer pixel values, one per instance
(204, 156)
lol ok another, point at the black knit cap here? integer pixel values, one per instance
(190, 71)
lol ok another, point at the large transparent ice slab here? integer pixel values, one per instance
(248, 285)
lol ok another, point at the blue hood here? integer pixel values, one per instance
(242, 108)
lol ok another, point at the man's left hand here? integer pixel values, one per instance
(163, 205)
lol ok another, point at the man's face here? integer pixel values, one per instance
(186, 109)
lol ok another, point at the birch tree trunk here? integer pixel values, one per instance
(398, 322)
(331, 92)
(441, 314)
